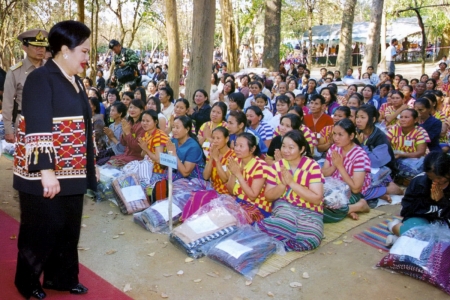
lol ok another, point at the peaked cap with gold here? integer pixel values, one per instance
(35, 37)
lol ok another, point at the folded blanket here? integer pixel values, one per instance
(131, 198)
(244, 251)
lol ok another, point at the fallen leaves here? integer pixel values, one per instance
(164, 295)
(83, 225)
(213, 274)
(293, 270)
(337, 242)
(167, 275)
(83, 248)
(270, 294)
(127, 288)
(151, 254)
(248, 282)
(115, 237)
(179, 273)
(197, 280)
(112, 251)
(305, 275)
(188, 260)
(295, 284)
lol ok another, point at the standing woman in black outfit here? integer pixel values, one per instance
(54, 165)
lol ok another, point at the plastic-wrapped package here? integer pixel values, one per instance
(423, 253)
(336, 193)
(144, 168)
(382, 126)
(245, 250)
(130, 195)
(7, 148)
(156, 218)
(214, 221)
(378, 175)
(104, 188)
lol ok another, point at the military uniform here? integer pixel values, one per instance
(16, 76)
(128, 57)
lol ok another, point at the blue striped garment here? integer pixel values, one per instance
(265, 131)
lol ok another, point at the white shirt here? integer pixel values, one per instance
(167, 112)
(390, 52)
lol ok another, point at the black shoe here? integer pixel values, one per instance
(38, 294)
(79, 289)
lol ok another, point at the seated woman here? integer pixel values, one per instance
(379, 150)
(427, 198)
(355, 100)
(153, 103)
(154, 141)
(262, 102)
(236, 124)
(117, 112)
(348, 162)
(409, 143)
(325, 137)
(432, 125)
(329, 93)
(247, 177)
(98, 125)
(180, 109)
(297, 216)
(255, 122)
(202, 109)
(217, 116)
(217, 160)
(392, 114)
(184, 145)
(368, 92)
(132, 131)
(282, 104)
(343, 100)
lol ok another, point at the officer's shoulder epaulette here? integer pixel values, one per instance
(16, 66)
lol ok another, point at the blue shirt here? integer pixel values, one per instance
(190, 151)
(433, 127)
(348, 77)
(262, 146)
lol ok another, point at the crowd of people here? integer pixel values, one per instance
(272, 143)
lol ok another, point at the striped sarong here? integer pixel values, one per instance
(298, 228)
(336, 215)
(254, 213)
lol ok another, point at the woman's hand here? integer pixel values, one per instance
(50, 184)
(207, 133)
(277, 155)
(234, 167)
(170, 146)
(360, 137)
(109, 133)
(214, 153)
(286, 176)
(337, 159)
(436, 192)
(171, 119)
(221, 97)
(126, 127)
(143, 144)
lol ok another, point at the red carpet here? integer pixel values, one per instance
(98, 288)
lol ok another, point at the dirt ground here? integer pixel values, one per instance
(336, 271)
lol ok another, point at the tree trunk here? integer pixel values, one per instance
(272, 35)
(80, 10)
(445, 43)
(371, 51)
(229, 35)
(310, 19)
(424, 39)
(175, 54)
(344, 59)
(383, 42)
(202, 47)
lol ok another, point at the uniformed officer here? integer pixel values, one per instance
(33, 43)
(123, 58)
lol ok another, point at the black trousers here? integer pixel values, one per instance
(48, 239)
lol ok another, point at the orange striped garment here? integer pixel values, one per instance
(217, 183)
(156, 139)
(407, 142)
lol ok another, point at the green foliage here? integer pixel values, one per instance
(285, 49)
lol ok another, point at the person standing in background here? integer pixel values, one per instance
(391, 54)
(33, 44)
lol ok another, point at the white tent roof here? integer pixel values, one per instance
(399, 28)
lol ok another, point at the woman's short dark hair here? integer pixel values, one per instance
(204, 94)
(433, 81)
(395, 92)
(233, 87)
(216, 78)
(129, 94)
(358, 97)
(437, 162)
(254, 82)
(298, 110)
(89, 80)
(432, 98)
(257, 111)
(313, 80)
(157, 103)
(142, 92)
(96, 103)
(239, 98)
(334, 86)
(244, 76)
(139, 104)
(169, 92)
(297, 137)
(424, 101)
(345, 110)
(296, 121)
(251, 142)
(240, 117)
(371, 112)
(67, 33)
(349, 127)
(97, 93)
(115, 92)
(411, 89)
(283, 99)
(187, 124)
(405, 80)
(332, 92)
(371, 87)
(353, 85)
(185, 101)
(222, 129)
(296, 83)
(413, 112)
(262, 96)
(121, 108)
(223, 109)
(153, 114)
